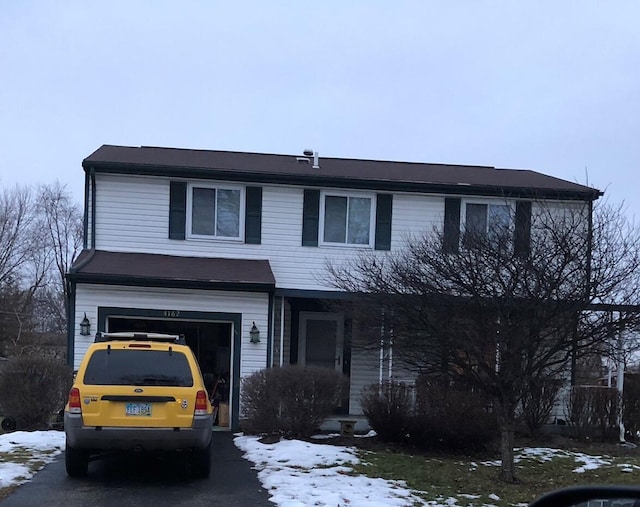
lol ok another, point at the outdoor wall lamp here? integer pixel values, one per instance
(254, 334)
(85, 326)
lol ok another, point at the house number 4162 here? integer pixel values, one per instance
(172, 313)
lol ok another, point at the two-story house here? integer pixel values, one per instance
(230, 248)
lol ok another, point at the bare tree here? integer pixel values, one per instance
(63, 220)
(18, 244)
(39, 239)
(17, 219)
(62, 223)
(493, 314)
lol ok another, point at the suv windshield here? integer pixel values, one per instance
(138, 367)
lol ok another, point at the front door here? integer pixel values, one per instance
(321, 340)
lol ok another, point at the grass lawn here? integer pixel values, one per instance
(473, 480)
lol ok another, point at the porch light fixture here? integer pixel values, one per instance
(85, 326)
(254, 334)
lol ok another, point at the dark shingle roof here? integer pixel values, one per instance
(171, 271)
(374, 174)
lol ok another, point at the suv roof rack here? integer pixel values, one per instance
(137, 336)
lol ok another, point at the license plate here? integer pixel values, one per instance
(138, 409)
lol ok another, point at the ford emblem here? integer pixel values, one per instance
(138, 390)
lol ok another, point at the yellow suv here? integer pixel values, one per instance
(138, 392)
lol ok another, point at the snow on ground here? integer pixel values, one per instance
(26, 453)
(543, 454)
(295, 473)
(299, 474)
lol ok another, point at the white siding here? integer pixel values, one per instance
(554, 215)
(365, 370)
(132, 215)
(277, 328)
(414, 215)
(252, 306)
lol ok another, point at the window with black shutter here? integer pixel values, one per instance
(253, 216)
(384, 208)
(310, 217)
(177, 209)
(451, 237)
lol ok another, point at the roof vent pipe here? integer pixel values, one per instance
(316, 160)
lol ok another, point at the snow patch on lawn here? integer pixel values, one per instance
(299, 474)
(28, 452)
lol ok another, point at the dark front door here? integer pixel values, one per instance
(321, 340)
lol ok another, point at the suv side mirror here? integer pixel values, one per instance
(591, 496)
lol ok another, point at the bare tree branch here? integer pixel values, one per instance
(500, 320)
(17, 218)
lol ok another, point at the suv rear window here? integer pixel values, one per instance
(139, 368)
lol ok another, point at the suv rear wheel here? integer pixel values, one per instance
(76, 461)
(201, 462)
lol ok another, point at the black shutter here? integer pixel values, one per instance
(451, 238)
(177, 209)
(253, 215)
(310, 217)
(384, 208)
(522, 236)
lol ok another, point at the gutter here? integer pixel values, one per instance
(345, 182)
(102, 279)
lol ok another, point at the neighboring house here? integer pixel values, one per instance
(229, 248)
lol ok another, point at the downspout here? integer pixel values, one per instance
(71, 319)
(620, 377)
(574, 350)
(390, 372)
(381, 366)
(610, 364)
(92, 173)
(270, 330)
(281, 331)
(85, 218)
(587, 292)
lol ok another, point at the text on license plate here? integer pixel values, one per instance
(138, 409)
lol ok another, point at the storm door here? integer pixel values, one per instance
(321, 340)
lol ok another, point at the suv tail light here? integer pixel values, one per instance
(201, 403)
(75, 407)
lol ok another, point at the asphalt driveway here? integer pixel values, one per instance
(147, 482)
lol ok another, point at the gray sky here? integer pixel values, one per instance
(549, 85)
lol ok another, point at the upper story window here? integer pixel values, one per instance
(487, 220)
(505, 224)
(347, 219)
(215, 211)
